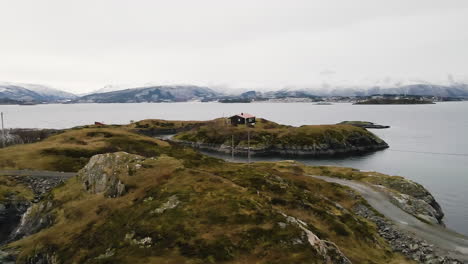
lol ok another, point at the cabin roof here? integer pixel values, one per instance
(244, 115)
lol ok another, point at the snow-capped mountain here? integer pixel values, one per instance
(453, 90)
(33, 92)
(177, 93)
(183, 93)
(113, 88)
(49, 92)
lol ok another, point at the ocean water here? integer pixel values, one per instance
(428, 143)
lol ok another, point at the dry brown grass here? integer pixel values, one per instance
(70, 150)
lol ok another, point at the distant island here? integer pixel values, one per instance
(398, 101)
(363, 124)
(235, 100)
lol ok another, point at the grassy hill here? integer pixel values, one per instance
(183, 207)
(72, 149)
(210, 213)
(267, 137)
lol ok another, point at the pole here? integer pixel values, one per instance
(232, 147)
(3, 132)
(248, 144)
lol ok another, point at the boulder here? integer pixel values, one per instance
(104, 172)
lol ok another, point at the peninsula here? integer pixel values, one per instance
(269, 138)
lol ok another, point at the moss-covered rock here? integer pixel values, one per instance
(101, 174)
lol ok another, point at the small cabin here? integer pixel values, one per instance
(242, 119)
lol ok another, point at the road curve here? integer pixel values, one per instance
(447, 241)
(37, 173)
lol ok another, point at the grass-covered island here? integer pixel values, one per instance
(393, 101)
(137, 199)
(270, 138)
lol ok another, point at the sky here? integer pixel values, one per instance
(81, 46)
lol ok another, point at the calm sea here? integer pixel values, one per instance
(428, 143)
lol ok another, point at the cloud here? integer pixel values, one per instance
(84, 45)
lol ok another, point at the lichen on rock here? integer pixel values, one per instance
(103, 173)
(329, 251)
(171, 203)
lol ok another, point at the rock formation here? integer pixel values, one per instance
(101, 174)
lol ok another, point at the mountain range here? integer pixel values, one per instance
(183, 93)
(178, 93)
(33, 93)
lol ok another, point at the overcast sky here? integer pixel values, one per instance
(84, 45)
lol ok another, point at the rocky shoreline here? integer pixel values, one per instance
(410, 246)
(319, 150)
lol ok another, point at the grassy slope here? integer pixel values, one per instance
(71, 150)
(229, 213)
(163, 124)
(267, 133)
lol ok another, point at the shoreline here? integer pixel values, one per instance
(294, 151)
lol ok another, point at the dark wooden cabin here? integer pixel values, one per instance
(242, 119)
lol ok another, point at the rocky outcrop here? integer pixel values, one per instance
(329, 252)
(11, 211)
(418, 207)
(41, 184)
(102, 173)
(37, 217)
(171, 203)
(413, 198)
(414, 248)
(20, 216)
